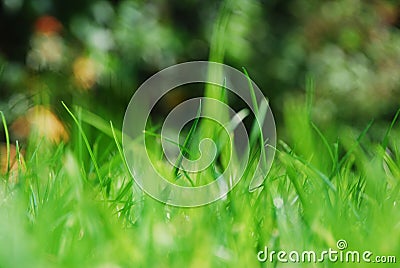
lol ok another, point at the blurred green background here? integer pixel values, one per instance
(96, 53)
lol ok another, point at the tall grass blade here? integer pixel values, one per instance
(188, 140)
(3, 119)
(86, 141)
(385, 141)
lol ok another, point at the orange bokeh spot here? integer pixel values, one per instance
(48, 25)
(41, 121)
(85, 72)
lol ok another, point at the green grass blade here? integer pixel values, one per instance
(385, 141)
(184, 149)
(101, 124)
(257, 134)
(325, 142)
(260, 113)
(86, 141)
(310, 92)
(117, 143)
(359, 138)
(252, 93)
(188, 140)
(188, 178)
(3, 119)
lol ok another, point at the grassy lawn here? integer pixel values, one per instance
(76, 205)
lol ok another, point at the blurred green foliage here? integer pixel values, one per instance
(105, 49)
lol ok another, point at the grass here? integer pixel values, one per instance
(77, 206)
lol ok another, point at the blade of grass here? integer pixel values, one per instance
(257, 134)
(310, 91)
(119, 147)
(217, 54)
(325, 141)
(3, 119)
(150, 133)
(306, 164)
(385, 141)
(101, 124)
(20, 160)
(252, 93)
(188, 140)
(86, 141)
(188, 178)
(260, 116)
(359, 138)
